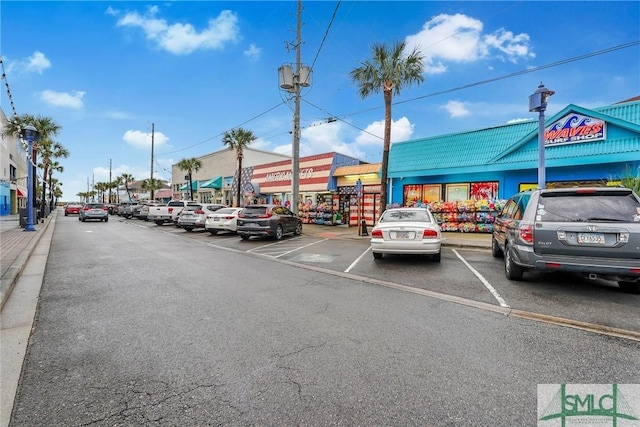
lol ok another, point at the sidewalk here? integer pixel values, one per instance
(16, 246)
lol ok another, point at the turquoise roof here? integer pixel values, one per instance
(515, 146)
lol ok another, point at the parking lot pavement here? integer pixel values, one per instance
(450, 239)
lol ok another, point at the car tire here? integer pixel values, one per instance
(66, 213)
(279, 232)
(106, 220)
(511, 269)
(159, 222)
(244, 236)
(298, 229)
(84, 220)
(436, 257)
(188, 229)
(630, 287)
(496, 252)
(377, 255)
(213, 232)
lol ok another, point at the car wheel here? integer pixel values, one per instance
(630, 287)
(189, 229)
(213, 232)
(279, 232)
(436, 257)
(244, 236)
(495, 248)
(377, 255)
(106, 219)
(66, 213)
(298, 229)
(511, 269)
(158, 222)
(84, 220)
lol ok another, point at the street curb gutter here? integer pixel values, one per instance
(13, 273)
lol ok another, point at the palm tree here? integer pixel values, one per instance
(389, 70)
(125, 179)
(151, 184)
(117, 182)
(190, 165)
(47, 128)
(101, 187)
(49, 150)
(54, 166)
(238, 139)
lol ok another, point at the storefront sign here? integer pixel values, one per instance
(575, 128)
(286, 175)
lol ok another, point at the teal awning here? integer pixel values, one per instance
(186, 186)
(213, 183)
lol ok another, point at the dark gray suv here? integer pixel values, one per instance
(268, 220)
(591, 231)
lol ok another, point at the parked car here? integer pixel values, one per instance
(144, 210)
(125, 209)
(72, 209)
(406, 231)
(592, 231)
(98, 211)
(272, 221)
(195, 216)
(225, 219)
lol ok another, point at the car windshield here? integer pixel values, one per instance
(399, 216)
(588, 207)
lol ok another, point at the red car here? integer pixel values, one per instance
(72, 208)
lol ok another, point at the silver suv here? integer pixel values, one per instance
(590, 231)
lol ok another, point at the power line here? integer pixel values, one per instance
(335, 11)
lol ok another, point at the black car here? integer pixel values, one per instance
(272, 221)
(591, 231)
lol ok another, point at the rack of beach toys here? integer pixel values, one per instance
(466, 216)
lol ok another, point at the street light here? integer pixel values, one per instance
(32, 135)
(538, 102)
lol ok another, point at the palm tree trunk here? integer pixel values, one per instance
(191, 185)
(239, 189)
(385, 151)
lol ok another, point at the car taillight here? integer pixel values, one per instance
(377, 233)
(228, 217)
(86, 208)
(199, 212)
(240, 215)
(170, 210)
(104, 208)
(429, 234)
(526, 233)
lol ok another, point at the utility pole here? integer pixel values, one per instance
(110, 201)
(151, 179)
(295, 173)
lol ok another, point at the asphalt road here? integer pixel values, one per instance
(144, 327)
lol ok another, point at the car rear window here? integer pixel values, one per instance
(399, 216)
(588, 207)
(255, 210)
(225, 211)
(192, 207)
(94, 205)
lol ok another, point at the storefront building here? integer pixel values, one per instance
(464, 177)
(319, 199)
(359, 193)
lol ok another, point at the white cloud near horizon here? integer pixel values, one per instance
(140, 139)
(461, 39)
(456, 109)
(36, 63)
(182, 38)
(63, 99)
(253, 52)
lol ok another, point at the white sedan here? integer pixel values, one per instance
(406, 231)
(225, 219)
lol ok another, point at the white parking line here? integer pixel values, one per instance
(483, 280)
(284, 245)
(353, 264)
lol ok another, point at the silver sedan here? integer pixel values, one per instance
(406, 231)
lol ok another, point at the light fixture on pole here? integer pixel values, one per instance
(31, 134)
(538, 102)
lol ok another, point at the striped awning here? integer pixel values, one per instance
(21, 192)
(186, 186)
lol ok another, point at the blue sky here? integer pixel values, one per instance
(107, 71)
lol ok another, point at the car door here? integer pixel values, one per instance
(290, 219)
(504, 221)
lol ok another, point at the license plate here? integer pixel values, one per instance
(402, 235)
(591, 238)
(216, 219)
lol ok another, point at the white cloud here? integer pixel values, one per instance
(401, 130)
(460, 39)
(456, 109)
(38, 62)
(140, 139)
(63, 99)
(253, 52)
(183, 38)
